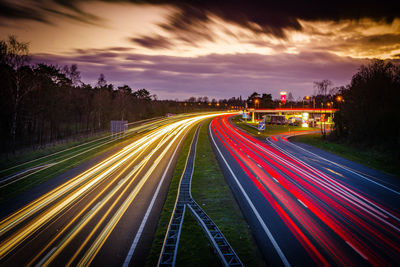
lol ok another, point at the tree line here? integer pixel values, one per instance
(43, 103)
(369, 107)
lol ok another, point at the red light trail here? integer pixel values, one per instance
(334, 222)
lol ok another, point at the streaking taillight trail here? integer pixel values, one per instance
(334, 222)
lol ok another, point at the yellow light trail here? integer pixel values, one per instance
(42, 211)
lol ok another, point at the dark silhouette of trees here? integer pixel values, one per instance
(251, 99)
(142, 95)
(42, 104)
(72, 73)
(15, 55)
(369, 110)
(266, 101)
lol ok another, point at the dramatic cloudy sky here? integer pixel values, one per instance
(218, 49)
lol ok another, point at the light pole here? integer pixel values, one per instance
(339, 99)
(256, 105)
(306, 98)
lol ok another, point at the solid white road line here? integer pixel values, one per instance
(347, 169)
(146, 216)
(360, 198)
(359, 252)
(40, 263)
(260, 220)
(302, 203)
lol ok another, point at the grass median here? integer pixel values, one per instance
(269, 129)
(212, 193)
(169, 204)
(380, 160)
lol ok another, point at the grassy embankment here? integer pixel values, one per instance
(380, 160)
(43, 164)
(269, 129)
(212, 193)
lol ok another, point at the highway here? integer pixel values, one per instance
(105, 215)
(307, 207)
(25, 170)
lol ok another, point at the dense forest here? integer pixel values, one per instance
(369, 107)
(42, 103)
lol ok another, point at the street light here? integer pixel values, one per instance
(306, 98)
(339, 99)
(256, 105)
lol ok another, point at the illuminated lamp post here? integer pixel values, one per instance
(339, 99)
(306, 98)
(256, 105)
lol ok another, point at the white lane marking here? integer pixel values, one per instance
(260, 220)
(40, 263)
(259, 165)
(95, 207)
(332, 171)
(346, 168)
(359, 252)
(347, 193)
(146, 216)
(302, 203)
(275, 180)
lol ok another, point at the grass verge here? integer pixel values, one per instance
(194, 248)
(379, 160)
(169, 204)
(269, 129)
(211, 191)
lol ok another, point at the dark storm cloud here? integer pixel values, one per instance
(41, 9)
(218, 76)
(384, 39)
(152, 42)
(10, 10)
(260, 16)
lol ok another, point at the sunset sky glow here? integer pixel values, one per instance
(177, 50)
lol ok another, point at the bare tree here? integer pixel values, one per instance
(122, 100)
(101, 81)
(16, 55)
(73, 74)
(322, 88)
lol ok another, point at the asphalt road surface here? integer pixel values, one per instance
(105, 215)
(308, 207)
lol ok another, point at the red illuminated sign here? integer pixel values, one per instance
(283, 97)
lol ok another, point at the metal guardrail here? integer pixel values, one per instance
(169, 250)
(224, 250)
